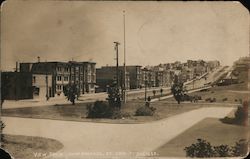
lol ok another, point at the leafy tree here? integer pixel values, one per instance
(114, 97)
(71, 92)
(177, 90)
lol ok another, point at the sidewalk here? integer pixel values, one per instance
(86, 98)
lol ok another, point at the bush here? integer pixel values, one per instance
(100, 109)
(200, 149)
(2, 126)
(224, 99)
(240, 148)
(222, 151)
(145, 111)
(204, 149)
(239, 118)
(211, 100)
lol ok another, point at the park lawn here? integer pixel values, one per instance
(210, 129)
(25, 147)
(231, 92)
(78, 112)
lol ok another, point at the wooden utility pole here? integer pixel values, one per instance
(46, 81)
(124, 41)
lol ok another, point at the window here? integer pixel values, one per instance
(59, 78)
(59, 69)
(66, 69)
(34, 79)
(66, 78)
(59, 87)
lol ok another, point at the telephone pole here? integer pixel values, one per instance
(124, 51)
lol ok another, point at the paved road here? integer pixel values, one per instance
(101, 137)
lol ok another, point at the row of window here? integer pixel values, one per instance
(60, 87)
(66, 78)
(67, 69)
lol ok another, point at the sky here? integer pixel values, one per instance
(156, 32)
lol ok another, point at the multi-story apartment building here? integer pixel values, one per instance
(135, 75)
(83, 74)
(106, 76)
(148, 77)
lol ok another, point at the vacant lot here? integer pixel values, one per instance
(210, 129)
(25, 147)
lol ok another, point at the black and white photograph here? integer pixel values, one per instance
(124, 79)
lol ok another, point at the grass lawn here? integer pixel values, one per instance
(210, 129)
(232, 93)
(25, 147)
(78, 112)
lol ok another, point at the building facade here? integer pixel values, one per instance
(82, 74)
(106, 77)
(16, 85)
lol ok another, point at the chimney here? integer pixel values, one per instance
(38, 58)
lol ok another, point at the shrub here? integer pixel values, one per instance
(204, 149)
(240, 148)
(224, 99)
(222, 151)
(240, 116)
(100, 109)
(145, 111)
(200, 149)
(2, 139)
(208, 99)
(213, 100)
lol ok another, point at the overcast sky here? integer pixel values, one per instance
(156, 32)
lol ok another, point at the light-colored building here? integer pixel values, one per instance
(42, 86)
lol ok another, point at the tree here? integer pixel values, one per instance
(5, 85)
(71, 91)
(114, 97)
(177, 90)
